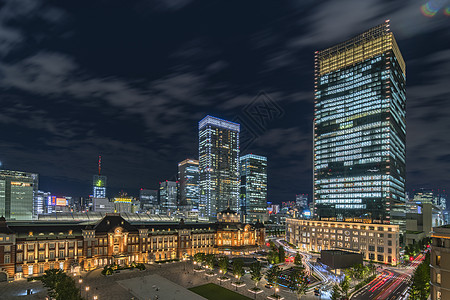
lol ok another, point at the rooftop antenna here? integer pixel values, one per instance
(99, 164)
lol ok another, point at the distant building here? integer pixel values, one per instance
(253, 193)
(103, 205)
(40, 203)
(58, 204)
(168, 195)
(301, 201)
(122, 204)
(218, 166)
(148, 199)
(273, 208)
(99, 186)
(17, 194)
(188, 177)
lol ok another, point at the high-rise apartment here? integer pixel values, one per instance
(359, 129)
(253, 192)
(17, 193)
(188, 183)
(218, 166)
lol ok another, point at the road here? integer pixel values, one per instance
(391, 284)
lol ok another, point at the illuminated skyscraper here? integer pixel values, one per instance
(17, 194)
(218, 166)
(359, 129)
(188, 183)
(99, 182)
(168, 195)
(253, 194)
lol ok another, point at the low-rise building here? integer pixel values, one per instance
(376, 242)
(440, 263)
(29, 249)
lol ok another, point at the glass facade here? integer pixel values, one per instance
(188, 183)
(17, 191)
(168, 196)
(218, 166)
(359, 130)
(253, 191)
(148, 199)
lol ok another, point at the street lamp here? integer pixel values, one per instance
(276, 291)
(236, 281)
(220, 278)
(95, 297)
(80, 281)
(87, 292)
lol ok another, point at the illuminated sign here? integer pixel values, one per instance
(61, 201)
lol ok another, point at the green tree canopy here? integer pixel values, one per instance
(281, 254)
(298, 260)
(273, 274)
(223, 264)
(255, 272)
(420, 288)
(238, 268)
(297, 282)
(60, 286)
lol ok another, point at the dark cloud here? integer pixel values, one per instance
(131, 81)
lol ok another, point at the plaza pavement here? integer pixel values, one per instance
(108, 287)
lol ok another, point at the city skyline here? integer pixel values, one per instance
(142, 123)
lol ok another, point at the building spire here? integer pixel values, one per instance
(99, 164)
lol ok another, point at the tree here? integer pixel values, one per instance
(298, 260)
(238, 268)
(273, 274)
(273, 257)
(281, 254)
(335, 294)
(199, 257)
(297, 282)
(420, 288)
(60, 286)
(255, 272)
(345, 285)
(372, 268)
(223, 264)
(210, 260)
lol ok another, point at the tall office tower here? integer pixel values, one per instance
(99, 182)
(359, 130)
(168, 196)
(253, 194)
(148, 199)
(17, 194)
(218, 166)
(188, 183)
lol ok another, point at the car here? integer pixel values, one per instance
(268, 286)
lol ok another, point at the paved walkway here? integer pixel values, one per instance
(157, 287)
(108, 287)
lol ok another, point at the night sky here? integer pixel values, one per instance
(129, 80)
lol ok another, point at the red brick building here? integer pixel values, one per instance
(28, 249)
